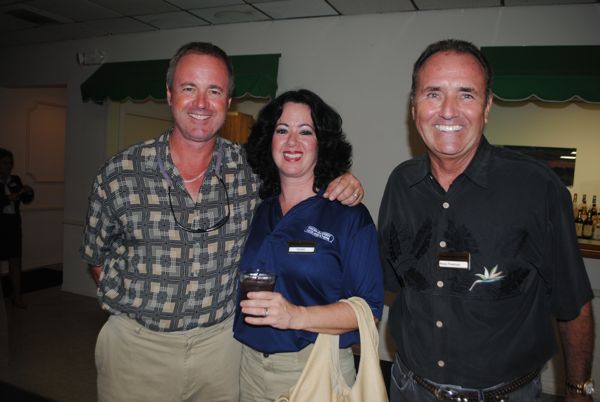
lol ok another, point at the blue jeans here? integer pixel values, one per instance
(403, 388)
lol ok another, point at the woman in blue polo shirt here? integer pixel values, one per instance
(320, 250)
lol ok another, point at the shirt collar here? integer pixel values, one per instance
(418, 170)
(477, 171)
(165, 153)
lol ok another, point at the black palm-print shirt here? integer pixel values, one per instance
(512, 217)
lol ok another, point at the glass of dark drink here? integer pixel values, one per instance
(256, 280)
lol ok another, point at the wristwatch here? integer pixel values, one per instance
(582, 388)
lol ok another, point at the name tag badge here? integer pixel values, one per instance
(455, 260)
(302, 247)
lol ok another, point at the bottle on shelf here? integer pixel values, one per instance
(594, 210)
(579, 224)
(583, 208)
(596, 232)
(575, 206)
(588, 227)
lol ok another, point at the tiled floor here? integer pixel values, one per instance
(49, 349)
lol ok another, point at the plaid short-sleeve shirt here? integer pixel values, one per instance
(166, 278)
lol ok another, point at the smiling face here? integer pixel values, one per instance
(199, 97)
(450, 106)
(294, 144)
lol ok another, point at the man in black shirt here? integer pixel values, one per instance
(480, 245)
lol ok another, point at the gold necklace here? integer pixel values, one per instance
(194, 178)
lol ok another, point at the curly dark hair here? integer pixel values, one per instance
(334, 151)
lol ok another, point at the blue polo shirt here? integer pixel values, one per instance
(345, 262)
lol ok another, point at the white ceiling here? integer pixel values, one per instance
(37, 21)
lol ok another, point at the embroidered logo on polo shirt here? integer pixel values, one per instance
(313, 231)
(488, 276)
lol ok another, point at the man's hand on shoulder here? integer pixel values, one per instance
(346, 189)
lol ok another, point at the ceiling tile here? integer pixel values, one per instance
(22, 37)
(35, 12)
(68, 31)
(111, 16)
(88, 29)
(231, 14)
(195, 4)
(296, 8)
(544, 2)
(117, 26)
(76, 10)
(178, 19)
(448, 4)
(10, 23)
(137, 7)
(347, 7)
(47, 33)
(263, 1)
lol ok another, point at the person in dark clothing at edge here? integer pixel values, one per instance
(12, 193)
(479, 244)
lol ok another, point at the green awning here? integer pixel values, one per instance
(255, 75)
(548, 73)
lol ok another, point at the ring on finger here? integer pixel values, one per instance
(355, 195)
(266, 312)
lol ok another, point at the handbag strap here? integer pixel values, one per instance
(313, 384)
(369, 384)
(327, 344)
(366, 324)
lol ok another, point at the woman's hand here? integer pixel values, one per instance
(270, 308)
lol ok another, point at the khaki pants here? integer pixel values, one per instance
(263, 378)
(135, 364)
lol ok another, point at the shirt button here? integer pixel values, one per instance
(442, 244)
(440, 284)
(446, 205)
(439, 324)
(441, 363)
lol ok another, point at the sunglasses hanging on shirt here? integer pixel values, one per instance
(219, 223)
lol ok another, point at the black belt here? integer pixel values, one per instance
(501, 394)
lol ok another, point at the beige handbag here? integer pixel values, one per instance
(322, 381)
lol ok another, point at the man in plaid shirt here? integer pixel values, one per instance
(166, 224)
